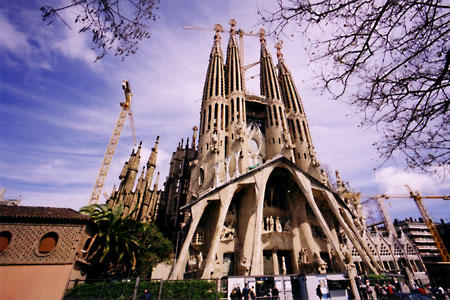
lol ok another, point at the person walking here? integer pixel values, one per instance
(245, 292)
(275, 293)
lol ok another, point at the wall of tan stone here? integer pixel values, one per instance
(33, 282)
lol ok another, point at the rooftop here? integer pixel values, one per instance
(16, 213)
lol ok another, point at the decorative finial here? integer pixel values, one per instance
(279, 46)
(261, 34)
(233, 25)
(218, 28)
(194, 135)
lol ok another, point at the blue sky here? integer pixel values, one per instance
(58, 108)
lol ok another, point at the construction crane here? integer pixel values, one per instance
(423, 211)
(427, 218)
(126, 110)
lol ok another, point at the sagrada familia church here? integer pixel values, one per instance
(247, 195)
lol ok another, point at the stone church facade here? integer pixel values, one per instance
(250, 197)
(247, 195)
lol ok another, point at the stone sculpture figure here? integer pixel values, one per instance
(215, 142)
(271, 224)
(303, 256)
(227, 232)
(319, 264)
(199, 260)
(278, 225)
(246, 264)
(192, 263)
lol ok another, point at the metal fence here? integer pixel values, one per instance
(136, 289)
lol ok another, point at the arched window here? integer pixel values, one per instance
(198, 237)
(5, 239)
(201, 178)
(48, 243)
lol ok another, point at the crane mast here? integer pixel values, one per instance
(126, 110)
(427, 218)
(418, 200)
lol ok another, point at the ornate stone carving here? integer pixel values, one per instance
(227, 232)
(319, 264)
(215, 138)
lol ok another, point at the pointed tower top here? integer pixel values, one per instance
(262, 34)
(138, 153)
(214, 76)
(135, 158)
(218, 28)
(194, 136)
(233, 26)
(233, 70)
(268, 81)
(279, 46)
(152, 159)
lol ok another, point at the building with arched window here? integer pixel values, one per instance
(41, 249)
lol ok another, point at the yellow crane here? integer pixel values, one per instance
(427, 218)
(126, 110)
(418, 199)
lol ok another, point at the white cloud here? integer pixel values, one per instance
(392, 180)
(73, 44)
(12, 39)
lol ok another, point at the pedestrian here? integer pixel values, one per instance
(440, 294)
(233, 294)
(146, 295)
(350, 295)
(252, 293)
(275, 293)
(245, 292)
(319, 292)
(238, 293)
(390, 289)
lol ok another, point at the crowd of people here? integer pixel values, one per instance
(383, 290)
(249, 293)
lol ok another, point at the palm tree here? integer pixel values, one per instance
(115, 246)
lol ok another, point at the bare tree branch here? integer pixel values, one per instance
(391, 58)
(114, 24)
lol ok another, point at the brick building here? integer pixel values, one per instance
(41, 249)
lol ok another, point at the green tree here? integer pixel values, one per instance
(121, 244)
(391, 59)
(154, 249)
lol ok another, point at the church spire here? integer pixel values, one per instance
(233, 76)
(214, 83)
(212, 116)
(277, 135)
(305, 157)
(152, 209)
(269, 84)
(151, 163)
